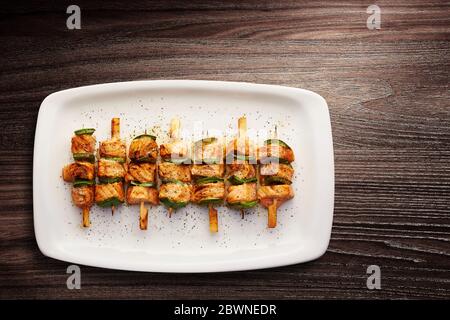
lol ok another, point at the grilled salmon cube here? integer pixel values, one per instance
(109, 190)
(141, 172)
(84, 143)
(111, 169)
(113, 148)
(83, 197)
(138, 194)
(242, 193)
(79, 170)
(172, 171)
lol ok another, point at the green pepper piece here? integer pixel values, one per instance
(143, 160)
(145, 135)
(206, 141)
(114, 201)
(142, 184)
(271, 180)
(105, 180)
(209, 161)
(89, 157)
(88, 131)
(172, 181)
(283, 161)
(277, 142)
(205, 180)
(235, 180)
(82, 182)
(210, 201)
(244, 205)
(245, 158)
(173, 204)
(267, 160)
(117, 159)
(178, 160)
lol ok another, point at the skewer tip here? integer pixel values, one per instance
(115, 128)
(272, 214)
(213, 219)
(86, 222)
(174, 130)
(143, 216)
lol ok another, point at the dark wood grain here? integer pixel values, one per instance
(388, 93)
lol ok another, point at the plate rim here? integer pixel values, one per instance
(287, 258)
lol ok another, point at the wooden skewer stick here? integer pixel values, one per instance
(272, 214)
(115, 128)
(115, 134)
(242, 135)
(242, 127)
(272, 209)
(213, 219)
(143, 216)
(242, 140)
(174, 131)
(86, 222)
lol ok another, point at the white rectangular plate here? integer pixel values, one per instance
(183, 243)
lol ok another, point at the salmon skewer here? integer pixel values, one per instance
(208, 171)
(141, 175)
(176, 173)
(241, 172)
(276, 173)
(175, 191)
(112, 168)
(81, 173)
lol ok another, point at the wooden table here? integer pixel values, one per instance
(388, 93)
